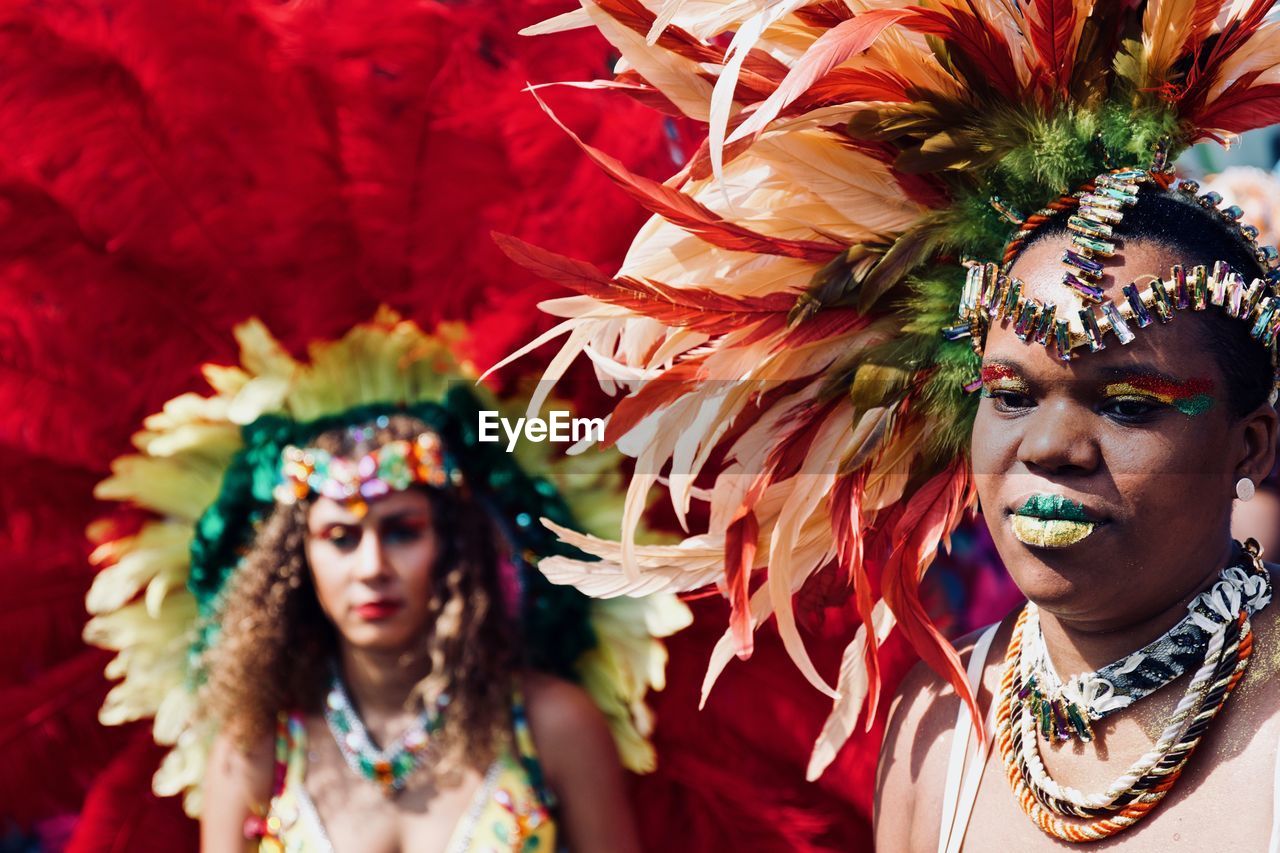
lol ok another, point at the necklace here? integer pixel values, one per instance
(390, 767)
(1067, 710)
(1134, 794)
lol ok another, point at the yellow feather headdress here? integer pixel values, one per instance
(147, 602)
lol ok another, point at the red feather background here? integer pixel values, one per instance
(169, 168)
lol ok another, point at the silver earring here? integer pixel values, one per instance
(1244, 489)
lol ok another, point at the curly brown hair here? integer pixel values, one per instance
(276, 646)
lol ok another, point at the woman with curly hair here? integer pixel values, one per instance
(357, 621)
(343, 635)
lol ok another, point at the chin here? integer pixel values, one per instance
(387, 638)
(1066, 578)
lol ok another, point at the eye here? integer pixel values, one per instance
(1009, 400)
(1131, 409)
(342, 537)
(404, 532)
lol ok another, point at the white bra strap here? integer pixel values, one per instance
(1274, 847)
(963, 775)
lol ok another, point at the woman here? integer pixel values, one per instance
(378, 668)
(384, 604)
(1149, 444)
(787, 324)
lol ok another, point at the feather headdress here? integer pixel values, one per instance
(183, 165)
(776, 325)
(206, 467)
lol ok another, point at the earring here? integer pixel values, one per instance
(1244, 489)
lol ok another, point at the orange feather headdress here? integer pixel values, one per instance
(776, 325)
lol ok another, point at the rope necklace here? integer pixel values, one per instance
(1144, 785)
(1066, 711)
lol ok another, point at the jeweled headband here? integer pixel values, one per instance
(354, 482)
(991, 296)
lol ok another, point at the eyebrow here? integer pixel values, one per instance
(1001, 368)
(1136, 371)
(1108, 374)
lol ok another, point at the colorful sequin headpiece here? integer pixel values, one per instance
(991, 296)
(393, 467)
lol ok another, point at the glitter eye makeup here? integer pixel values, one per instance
(1191, 397)
(1001, 377)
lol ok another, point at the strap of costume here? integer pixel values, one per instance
(968, 755)
(1274, 846)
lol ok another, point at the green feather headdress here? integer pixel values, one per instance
(205, 472)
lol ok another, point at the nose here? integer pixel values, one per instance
(1059, 438)
(370, 562)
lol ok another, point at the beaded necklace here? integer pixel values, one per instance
(392, 766)
(1135, 793)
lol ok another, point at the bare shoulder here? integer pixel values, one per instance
(565, 722)
(237, 783)
(556, 706)
(573, 741)
(927, 703)
(247, 770)
(913, 757)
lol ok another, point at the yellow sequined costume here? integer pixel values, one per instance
(507, 814)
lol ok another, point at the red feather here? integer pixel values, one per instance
(634, 86)
(697, 308)
(1233, 36)
(926, 190)
(682, 379)
(1052, 24)
(1242, 107)
(636, 16)
(825, 15)
(847, 85)
(978, 51)
(699, 166)
(835, 46)
(846, 498)
(760, 71)
(739, 557)
(824, 325)
(1202, 19)
(929, 515)
(685, 212)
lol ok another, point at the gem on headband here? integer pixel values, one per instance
(393, 467)
(1140, 312)
(1092, 329)
(1118, 325)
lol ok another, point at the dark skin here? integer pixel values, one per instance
(1161, 484)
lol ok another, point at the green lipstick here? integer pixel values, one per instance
(1053, 507)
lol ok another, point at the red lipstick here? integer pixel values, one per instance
(375, 611)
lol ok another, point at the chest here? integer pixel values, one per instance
(356, 816)
(1224, 800)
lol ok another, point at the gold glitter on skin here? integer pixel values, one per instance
(1049, 532)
